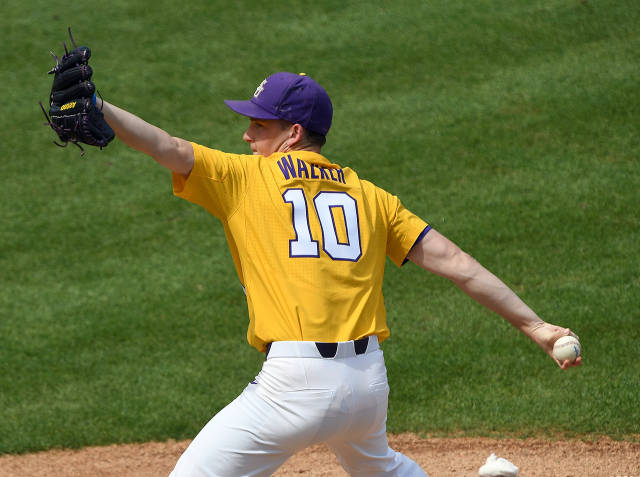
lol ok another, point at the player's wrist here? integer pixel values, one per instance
(536, 330)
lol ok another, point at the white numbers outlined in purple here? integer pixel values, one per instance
(324, 202)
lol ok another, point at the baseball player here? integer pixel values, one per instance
(309, 239)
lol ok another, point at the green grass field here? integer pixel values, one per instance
(511, 126)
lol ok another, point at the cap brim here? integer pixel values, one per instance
(249, 109)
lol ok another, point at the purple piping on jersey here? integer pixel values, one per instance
(420, 237)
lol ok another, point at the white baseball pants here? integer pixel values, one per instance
(300, 399)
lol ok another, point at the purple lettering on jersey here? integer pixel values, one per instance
(323, 173)
(313, 173)
(331, 174)
(286, 166)
(340, 173)
(302, 169)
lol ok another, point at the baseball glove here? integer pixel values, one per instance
(73, 113)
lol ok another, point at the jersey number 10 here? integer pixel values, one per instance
(324, 202)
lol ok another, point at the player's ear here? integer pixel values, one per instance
(296, 134)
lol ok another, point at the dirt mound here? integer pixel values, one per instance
(439, 457)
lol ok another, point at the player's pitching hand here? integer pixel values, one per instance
(546, 335)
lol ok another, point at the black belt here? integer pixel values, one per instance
(329, 350)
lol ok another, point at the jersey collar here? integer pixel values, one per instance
(306, 156)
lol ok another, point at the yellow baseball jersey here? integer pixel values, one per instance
(309, 241)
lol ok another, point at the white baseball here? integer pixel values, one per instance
(566, 348)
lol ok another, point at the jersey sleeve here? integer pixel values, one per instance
(217, 182)
(405, 230)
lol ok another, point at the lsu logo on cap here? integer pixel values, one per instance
(259, 89)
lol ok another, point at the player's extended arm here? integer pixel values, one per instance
(439, 255)
(172, 152)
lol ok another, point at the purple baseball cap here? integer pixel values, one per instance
(294, 98)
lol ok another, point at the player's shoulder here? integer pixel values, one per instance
(373, 188)
(209, 154)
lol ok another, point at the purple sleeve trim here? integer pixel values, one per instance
(420, 237)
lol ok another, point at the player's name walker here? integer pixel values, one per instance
(303, 170)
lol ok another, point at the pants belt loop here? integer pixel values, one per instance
(327, 350)
(361, 345)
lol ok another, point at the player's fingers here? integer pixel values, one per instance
(569, 332)
(569, 364)
(80, 90)
(558, 332)
(71, 76)
(558, 362)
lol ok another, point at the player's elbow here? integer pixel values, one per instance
(175, 154)
(441, 256)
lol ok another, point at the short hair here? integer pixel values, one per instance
(314, 138)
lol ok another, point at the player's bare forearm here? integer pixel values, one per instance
(173, 153)
(439, 255)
